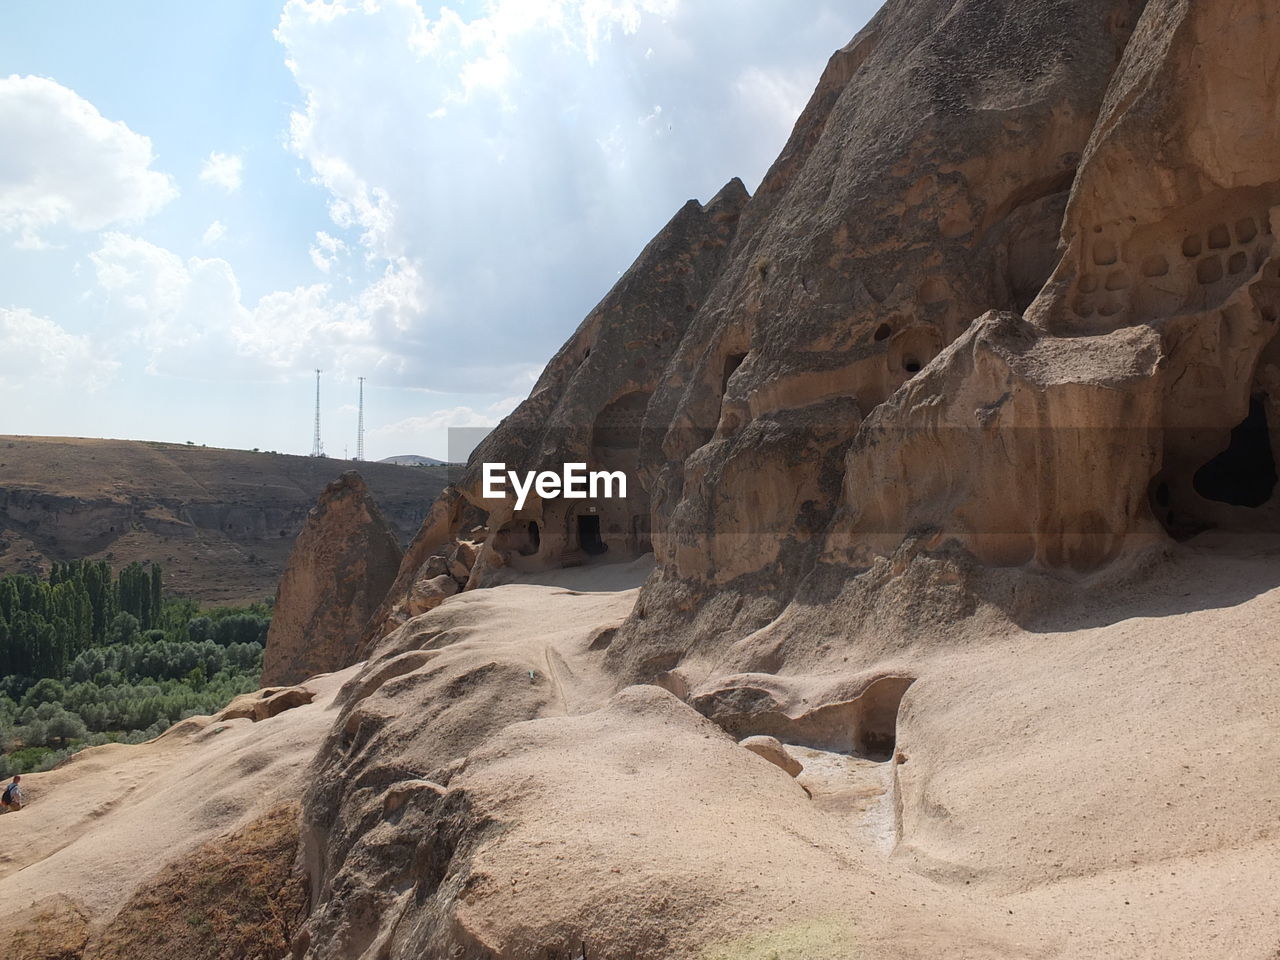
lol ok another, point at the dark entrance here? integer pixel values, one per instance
(1243, 475)
(589, 535)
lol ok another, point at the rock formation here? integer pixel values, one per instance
(342, 564)
(959, 317)
(997, 329)
(265, 703)
(588, 406)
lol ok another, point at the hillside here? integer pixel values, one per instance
(220, 521)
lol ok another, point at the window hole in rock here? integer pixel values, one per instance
(1155, 266)
(1243, 475)
(522, 536)
(1209, 270)
(1118, 280)
(731, 365)
(882, 332)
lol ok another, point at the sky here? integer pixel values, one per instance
(202, 204)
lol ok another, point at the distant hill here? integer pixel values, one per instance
(221, 522)
(413, 460)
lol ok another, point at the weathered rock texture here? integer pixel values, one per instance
(588, 406)
(997, 329)
(265, 704)
(342, 564)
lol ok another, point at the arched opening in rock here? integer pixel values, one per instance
(589, 535)
(615, 435)
(522, 536)
(1243, 475)
(731, 365)
(877, 734)
(911, 350)
(882, 332)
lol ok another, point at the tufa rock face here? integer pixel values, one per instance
(1006, 301)
(342, 564)
(1000, 321)
(588, 406)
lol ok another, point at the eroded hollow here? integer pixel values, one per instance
(1243, 475)
(865, 727)
(876, 736)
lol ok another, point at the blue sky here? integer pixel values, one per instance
(201, 203)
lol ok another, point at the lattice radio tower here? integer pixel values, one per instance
(360, 425)
(317, 448)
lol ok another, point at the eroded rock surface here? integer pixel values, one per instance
(996, 331)
(342, 565)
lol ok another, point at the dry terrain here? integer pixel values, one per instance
(221, 522)
(1103, 783)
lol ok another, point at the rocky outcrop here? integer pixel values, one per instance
(265, 704)
(587, 407)
(997, 328)
(342, 564)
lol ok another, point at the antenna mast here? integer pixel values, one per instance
(360, 426)
(317, 448)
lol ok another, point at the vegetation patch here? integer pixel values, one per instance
(89, 657)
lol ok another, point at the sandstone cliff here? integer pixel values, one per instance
(994, 337)
(341, 566)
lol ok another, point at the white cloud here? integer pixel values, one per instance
(497, 169)
(34, 348)
(224, 170)
(213, 233)
(190, 317)
(778, 95)
(64, 164)
(325, 251)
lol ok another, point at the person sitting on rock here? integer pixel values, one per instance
(12, 798)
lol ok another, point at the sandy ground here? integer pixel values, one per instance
(100, 825)
(1102, 784)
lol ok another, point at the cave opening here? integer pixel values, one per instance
(589, 535)
(534, 541)
(876, 737)
(731, 365)
(1243, 475)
